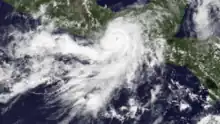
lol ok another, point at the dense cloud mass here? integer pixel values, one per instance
(119, 76)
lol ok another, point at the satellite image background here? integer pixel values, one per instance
(169, 78)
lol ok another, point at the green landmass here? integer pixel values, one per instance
(201, 57)
(79, 17)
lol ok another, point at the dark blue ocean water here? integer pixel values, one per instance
(117, 5)
(29, 109)
(187, 27)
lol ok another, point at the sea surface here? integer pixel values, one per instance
(178, 86)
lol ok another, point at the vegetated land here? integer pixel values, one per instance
(77, 16)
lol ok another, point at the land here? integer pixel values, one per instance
(79, 17)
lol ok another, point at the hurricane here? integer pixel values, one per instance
(125, 71)
(83, 76)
